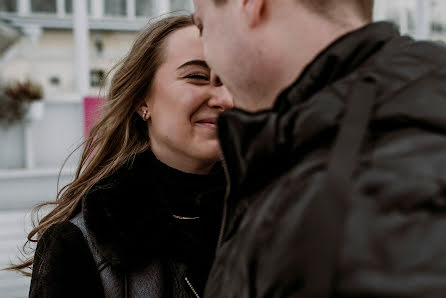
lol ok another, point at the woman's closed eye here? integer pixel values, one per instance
(198, 77)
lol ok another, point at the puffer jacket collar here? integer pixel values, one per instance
(339, 59)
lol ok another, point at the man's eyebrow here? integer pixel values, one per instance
(193, 19)
(201, 63)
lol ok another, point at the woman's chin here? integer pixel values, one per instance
(210, 152)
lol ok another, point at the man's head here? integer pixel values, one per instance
(259, 47)
(333, 8)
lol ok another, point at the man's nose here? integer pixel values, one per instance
(221, 98)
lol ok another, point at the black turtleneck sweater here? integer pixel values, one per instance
(186, 193)
(194, 203)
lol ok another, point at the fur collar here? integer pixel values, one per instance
(128, 214)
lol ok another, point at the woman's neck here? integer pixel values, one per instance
(183, 191)
(184, 163)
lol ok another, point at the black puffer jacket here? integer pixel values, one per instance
(145, 251)
(371, 220)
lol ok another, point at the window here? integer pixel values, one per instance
(438, 23)
(181, 5)
(8, 5)
(45, 6)
(96, 77)
(54, 81)
(69, 6)
(145, 7)
(115, 7)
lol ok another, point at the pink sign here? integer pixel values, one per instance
(92, 112)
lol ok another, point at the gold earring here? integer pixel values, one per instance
(144, 114)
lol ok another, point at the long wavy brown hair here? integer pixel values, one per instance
(117, 137)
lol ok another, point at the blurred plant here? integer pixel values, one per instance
(26, 91)
(15, 99)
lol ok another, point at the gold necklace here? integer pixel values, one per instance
(184, 217)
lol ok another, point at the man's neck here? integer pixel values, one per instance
(300, 40)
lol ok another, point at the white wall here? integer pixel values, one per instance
(12, 147)
(52, 138)
(58, 134)
(50, 141)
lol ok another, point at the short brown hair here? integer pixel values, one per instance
(363, 7)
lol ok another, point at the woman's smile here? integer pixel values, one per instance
(210, 123)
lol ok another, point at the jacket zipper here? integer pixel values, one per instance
(191, 287)
(225, 202)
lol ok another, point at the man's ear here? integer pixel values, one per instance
(255, 11)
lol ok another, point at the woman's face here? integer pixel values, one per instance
(183, 106)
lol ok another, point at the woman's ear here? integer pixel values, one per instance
(144, 111)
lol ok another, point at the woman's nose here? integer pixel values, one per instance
(221, 98)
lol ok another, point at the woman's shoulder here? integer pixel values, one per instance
(62, 240)
(63, 262)
(59, 240)
(57, 236)
(62, 235)
(64, 230)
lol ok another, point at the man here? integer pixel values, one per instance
(337, 165)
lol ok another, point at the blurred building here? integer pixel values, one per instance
(67, 50)
(422, 19)
(46, 52)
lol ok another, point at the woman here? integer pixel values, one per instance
(141, 217)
